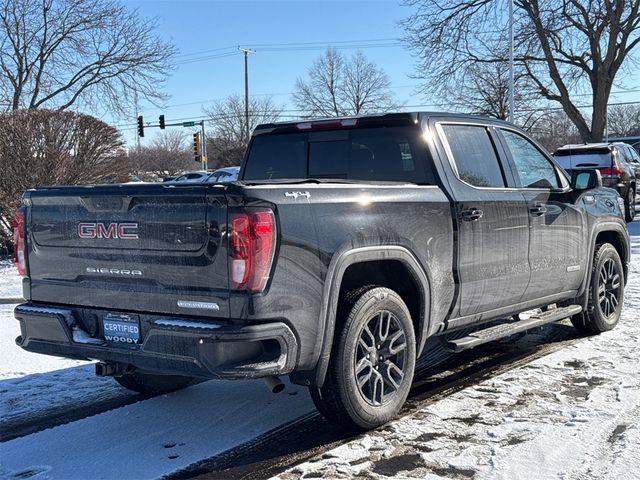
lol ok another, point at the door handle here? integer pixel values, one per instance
(538, 210)
(471, 214)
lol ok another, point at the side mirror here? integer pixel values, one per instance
(586, 179)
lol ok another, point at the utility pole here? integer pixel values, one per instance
(246, 52)
(135, 102)
(511, 119)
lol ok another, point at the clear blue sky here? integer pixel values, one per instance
(209, 26)
(197, 26)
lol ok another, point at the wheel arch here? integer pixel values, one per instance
(375, 264)
(616, 239)
(616, 235)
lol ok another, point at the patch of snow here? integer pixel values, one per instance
(16, 362)
(147, 439)
(80, 336)
(157, 436)
(10, 281)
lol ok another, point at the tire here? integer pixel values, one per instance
(606, 292)
(152, 384)
(374, 346)
(630, 204)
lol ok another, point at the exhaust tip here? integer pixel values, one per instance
(102, 370)
(274, 384)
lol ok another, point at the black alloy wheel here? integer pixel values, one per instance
(606, 292)
(380, 358)
(609, 286)
(372, 360)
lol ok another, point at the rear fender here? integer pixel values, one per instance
(331, 293)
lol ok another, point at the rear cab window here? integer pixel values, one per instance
(474, 155)
(395, 154)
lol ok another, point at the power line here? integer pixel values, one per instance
(286, 48)
(291, 44)
(430, 105)
(296, 113)
(266, 94)
(275, 94)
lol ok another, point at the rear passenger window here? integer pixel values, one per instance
(474, 155)
(533, 168)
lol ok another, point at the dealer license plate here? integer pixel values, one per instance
(120, 328)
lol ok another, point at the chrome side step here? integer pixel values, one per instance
(506, 329)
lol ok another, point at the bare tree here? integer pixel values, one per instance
(226, 144)
(339, 86)
(483, 89)
(624, 120)
(44, 147)
(90, 53)
(566, 47)
(168, 154)
(554, 129)
(173, 141)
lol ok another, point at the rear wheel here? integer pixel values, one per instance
(372, 361)
(630, 204)
(153, 384)
(606, 292)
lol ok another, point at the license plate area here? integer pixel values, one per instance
(121, 329)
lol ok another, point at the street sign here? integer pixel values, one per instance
(188, 124)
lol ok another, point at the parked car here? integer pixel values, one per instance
(633, 140)
(197, 176)
(344, 246)
(618, 163)
(224, 175)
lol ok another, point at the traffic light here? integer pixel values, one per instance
(162, 122)
(197, 148)
(140, 127)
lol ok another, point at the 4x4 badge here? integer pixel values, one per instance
(297, 194)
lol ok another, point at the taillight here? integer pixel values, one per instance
(252, 243)
(614, 172)
(19, 245)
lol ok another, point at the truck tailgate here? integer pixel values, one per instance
(150, 247)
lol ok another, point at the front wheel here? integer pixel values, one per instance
(152, 384)
(372, 361)
(606, 292)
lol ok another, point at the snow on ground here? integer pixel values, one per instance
(10, 281)
(17, 363)
(154, 437)
(147, 439)
(30, 384)
(572, 414)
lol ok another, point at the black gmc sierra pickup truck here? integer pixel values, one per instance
(345, 244)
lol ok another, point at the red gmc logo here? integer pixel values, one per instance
(125, 231)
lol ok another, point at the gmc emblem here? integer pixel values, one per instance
(125, 231)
